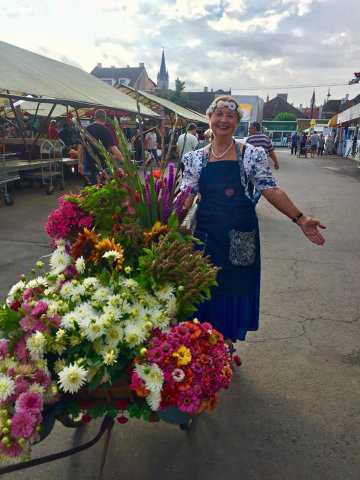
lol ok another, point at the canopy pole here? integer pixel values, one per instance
(20, 126)
(139, 117)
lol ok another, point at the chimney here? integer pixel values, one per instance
(127, 66)
(300, 108)
(112, 66)
(99, 65)
(205, 89)
(347, 97)
(141, 65)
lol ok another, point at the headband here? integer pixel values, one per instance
(221, 103)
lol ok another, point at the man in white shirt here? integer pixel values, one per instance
(151, 144)
(187, 141)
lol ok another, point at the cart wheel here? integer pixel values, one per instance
(68, 421)
(8, 200)
(50, 190)
(187, 425)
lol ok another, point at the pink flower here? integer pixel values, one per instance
(3, 348)
(22, 424)
(178, 375)
(14, 451)
(28, 323)
(26, 307)
(42, 378)
(29, 402)
(39, 308)
(20, 351)
(21, 386)
(15, 306)
(188, 402)
(55, 320)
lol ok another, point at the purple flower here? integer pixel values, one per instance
(29, 323)
(42, 378)
(29, 402)
(21, 386)
(40, 308)
(3, 348)
(22, 424)
(20, 351)
(14, 451)
(70, 270)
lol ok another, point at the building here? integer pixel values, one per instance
(279, 105)
(128, 76)
(252, 107)
(163, 75)
(330, 108)
(202, 100)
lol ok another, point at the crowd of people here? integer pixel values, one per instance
(316, 143)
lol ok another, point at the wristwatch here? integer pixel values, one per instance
(297, 217)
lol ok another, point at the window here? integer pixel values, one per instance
(124, 81)
(109, 81)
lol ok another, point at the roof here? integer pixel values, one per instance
(154, 102)
(132, 73)
(331, 106)
(278, 105)
(24, 72)
(163, 73)
(202, 100)
(39, 109)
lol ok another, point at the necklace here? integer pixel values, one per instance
(220, 156)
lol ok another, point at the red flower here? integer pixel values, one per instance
(237, 360)
(122, 404)
(15, 306)
(86, 418)
(122, 419)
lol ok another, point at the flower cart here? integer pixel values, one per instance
(108, 330)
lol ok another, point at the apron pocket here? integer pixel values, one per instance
(242, 250)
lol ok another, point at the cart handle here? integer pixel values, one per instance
(107, 423)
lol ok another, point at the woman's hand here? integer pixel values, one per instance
(310, 227)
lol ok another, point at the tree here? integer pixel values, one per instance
(285, 116)
(178, 95)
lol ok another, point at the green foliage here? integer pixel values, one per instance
(285, 116)
(178, 96)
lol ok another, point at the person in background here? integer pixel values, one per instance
(321, 145)
(137, 147)
(314, 140)
(151, 144)
(53, 134)
(186, 143)
(66, 135)
(206, 141)
(294, 142)
(258, 139)
(99, 131)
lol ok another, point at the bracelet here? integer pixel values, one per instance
(297, 217)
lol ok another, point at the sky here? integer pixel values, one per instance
(248, 45)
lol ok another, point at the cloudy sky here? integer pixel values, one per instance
(250, 45)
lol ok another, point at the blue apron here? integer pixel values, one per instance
(227, 224)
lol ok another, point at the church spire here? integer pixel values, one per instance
(163, 75)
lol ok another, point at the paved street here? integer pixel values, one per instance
(293, 410)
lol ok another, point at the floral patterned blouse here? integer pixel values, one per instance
(256, 169)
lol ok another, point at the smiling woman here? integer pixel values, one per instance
(225, 174)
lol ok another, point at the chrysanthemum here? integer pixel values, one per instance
(114, 335)
(72, 378)
(154, 378)
(102, 294)
(22, 424)
(94, 329)
(105, 245)
(134, 334)
(153, 399)
(165, 293)
(7, 387)
(130, 283)
(59, 260)
(36, 345)
(29, 402)
(67, 289)
(18, 287)
(110, 356)
(3, 348)
(111, 255)
(84, 313)
(91, 283)
(38, 282)
(68, 320)
(80, 264)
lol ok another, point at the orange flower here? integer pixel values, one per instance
(84, 244)
(141, 391)
(156, 231)
(194, 330)
(203, 406)
(213, 402)
(105, 245)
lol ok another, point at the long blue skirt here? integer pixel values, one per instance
(231, 315)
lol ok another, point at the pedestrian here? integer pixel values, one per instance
(53, 134)
(151, 144)
(258, 139)
(321, 145)
(98, 130)
(226, 221)
(186, 143)
(66, 135)
(206, 141)
(314, 140)
(294, 142)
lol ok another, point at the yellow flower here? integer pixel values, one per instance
(105, 245)
(157, 229)
(183, 355)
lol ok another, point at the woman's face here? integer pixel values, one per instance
(223, 121)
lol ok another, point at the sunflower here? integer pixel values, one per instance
(84, 244)
(156, 231)
(106, 245)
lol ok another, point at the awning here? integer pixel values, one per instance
(332, 121)
(26, 73)
(38, 109)
(154, 102)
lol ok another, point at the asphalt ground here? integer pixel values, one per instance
(292, 411)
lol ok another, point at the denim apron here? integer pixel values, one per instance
(227, 224)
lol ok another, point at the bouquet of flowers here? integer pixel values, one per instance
(114, 305)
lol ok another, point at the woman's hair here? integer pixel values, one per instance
(208, 133)
(226, 98)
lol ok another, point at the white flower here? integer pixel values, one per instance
(38, 282)
(154, 378)
(130, 283)
(39, 264)
(178, 375)
(102, 294)
(78, 291)
(165, 293)
(110, 356)
(112, 313)
(68, 320)
(115, 301)
(80, 264)
(84, 313)
(59, 260)
(94, 329)
(91, 283)
(7, 386)
(111, 255)
(13, 290)
(72, 378)
(67, 289)
(134, 334)
(159, 317)
(172, 307)
(114, 335)
(36, 345)
(35, 387)
(153, 400)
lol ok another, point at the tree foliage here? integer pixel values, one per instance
(178, 95)
(285, 116)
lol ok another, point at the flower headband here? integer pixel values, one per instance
(221, 103)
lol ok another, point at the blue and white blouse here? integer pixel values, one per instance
(256, 169)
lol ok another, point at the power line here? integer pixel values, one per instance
(278, 87)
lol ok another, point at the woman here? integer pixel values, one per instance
(207, 139)
(53, 134)
(225, 174)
